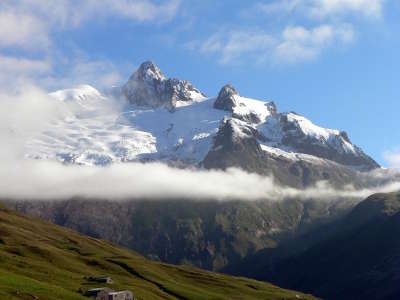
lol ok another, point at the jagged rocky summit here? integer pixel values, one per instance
(149, 87)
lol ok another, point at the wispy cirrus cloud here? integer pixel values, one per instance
(99, 73)
(29, 23)
(14, 70)
(293, 45)
(323, 8)
(23, 30)
(28, 26)
(290, 31)
(73, 13)
(76, 71)
(13, 66)
(230, 46)
(299, 44)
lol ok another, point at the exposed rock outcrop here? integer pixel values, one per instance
(226, 98)
(149, 87)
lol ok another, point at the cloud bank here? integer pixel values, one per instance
(46, 180)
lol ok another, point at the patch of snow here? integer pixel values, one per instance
(290, 155)
(201, 135)
(238, 127)
(310, 129)
(279, 152)
(84, 95)
(246, 106)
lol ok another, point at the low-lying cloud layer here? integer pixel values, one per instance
(51, 180)
(24, 112)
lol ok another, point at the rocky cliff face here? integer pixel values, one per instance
(208, 234)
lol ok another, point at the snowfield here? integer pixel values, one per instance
(96, 133)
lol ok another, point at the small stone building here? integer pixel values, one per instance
(120, 295)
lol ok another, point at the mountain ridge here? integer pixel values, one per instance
(170, 120)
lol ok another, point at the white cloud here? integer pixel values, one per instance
(14, 70)
(232, 46)
(333, 23)
(12, 66)
(17, 70)
(72, 13)
(24, 110)
(368, 8)
(299, 43)
(293, 45)
(276, 7)
(392, 158)
(51, 180)
(142, 10)
(27, 26)
(22, 30)
(99, 73)
(323, 8)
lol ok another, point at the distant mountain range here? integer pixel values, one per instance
(152, 118)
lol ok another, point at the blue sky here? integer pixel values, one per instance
(334, 61)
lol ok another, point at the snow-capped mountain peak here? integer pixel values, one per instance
(79, 92)
(84, 96)
(170, 120)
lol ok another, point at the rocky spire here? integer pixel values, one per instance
(149, 87)
(148, 71)
(226, 98)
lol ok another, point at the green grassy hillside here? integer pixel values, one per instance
(39, 260)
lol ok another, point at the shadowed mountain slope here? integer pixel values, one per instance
(357, 259)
